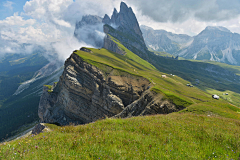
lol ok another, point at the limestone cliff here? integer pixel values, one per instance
(86, 93)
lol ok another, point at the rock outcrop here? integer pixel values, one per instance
(84, 94)
(112, 46)
(124, 27)
(38, 129)
(149, 103)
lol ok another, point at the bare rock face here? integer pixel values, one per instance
(85, 94)
(112, 46)
(38, 129)
(125, 27)
(149, 103)
(106, 19)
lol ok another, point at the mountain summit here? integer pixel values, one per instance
(126, 19)
(125, 27)
(217, 28)
(161, 40)
(214, 43)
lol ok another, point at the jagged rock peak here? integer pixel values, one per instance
(115, 12)
(106, 19)
(126, 19)
(114, 17)
(123, 7)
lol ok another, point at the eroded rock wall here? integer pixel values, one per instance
(84, 94)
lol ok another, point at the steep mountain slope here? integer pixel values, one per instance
(17, 68)
(182, 135)
(125, 28)
(203, 75)
(21, 80)
(121, 86)
(113, 89)
(161, 40)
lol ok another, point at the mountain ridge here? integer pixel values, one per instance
(122, 39)
(214, 43)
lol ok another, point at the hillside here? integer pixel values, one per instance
(205, 129)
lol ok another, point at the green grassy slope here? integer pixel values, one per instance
(173, 87)
(173, 136)
(211, 84)
(215, 77)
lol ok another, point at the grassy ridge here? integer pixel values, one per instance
(173, 87)
(174, 136)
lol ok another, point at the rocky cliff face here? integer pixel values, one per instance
(85, 94)
(112, 46)
(124, 27)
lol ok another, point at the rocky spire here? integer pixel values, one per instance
(125, 22)
(106, 19)
(114, 16)
(123, 6)
(126, 19)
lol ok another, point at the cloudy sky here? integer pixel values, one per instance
(50, 23)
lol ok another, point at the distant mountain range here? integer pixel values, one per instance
(213, 43)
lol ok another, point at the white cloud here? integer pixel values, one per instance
(65, 47)
(8, 4)
(16, 20)
(51, 25)
(52, 22)
(50, 11)
(180, 11)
